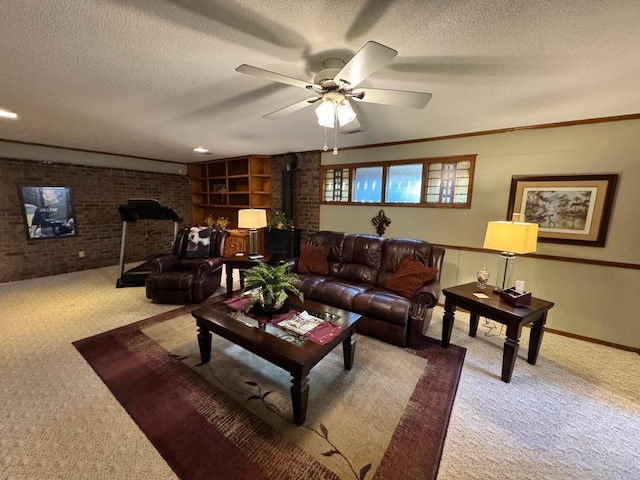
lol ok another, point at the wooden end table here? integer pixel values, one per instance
(496, 309)
(242, 263)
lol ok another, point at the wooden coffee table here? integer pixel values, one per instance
(298, 360)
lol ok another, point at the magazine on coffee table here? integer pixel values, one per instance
(301, 324)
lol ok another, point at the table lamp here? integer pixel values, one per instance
(510, 238)
(252, 219)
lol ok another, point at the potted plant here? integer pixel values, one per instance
(279, 221)
(270, 286)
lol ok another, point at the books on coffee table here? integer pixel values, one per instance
(301, 324)
(315, 329)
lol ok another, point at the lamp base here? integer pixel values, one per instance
(505, 271)
(253, 241)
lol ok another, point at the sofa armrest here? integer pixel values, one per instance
(165, 263)
(426, 297)
(207, 266)
(437, 257)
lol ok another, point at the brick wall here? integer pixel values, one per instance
(97, 193)
(306, 196)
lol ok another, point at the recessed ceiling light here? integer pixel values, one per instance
(8, 114)
(201, 150)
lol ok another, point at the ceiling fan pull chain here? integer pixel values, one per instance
(325, 148)
(335, 130)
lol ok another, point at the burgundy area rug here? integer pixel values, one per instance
(386, 419)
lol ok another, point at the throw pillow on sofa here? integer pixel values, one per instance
(313, 259)
(410, 277)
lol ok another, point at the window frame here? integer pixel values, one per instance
(385, 168)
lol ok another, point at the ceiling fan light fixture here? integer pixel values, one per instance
(327, 110)
(326, 113)
(345, 113)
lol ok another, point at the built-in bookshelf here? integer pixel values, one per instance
(222, 187)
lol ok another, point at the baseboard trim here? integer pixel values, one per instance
(593, 340)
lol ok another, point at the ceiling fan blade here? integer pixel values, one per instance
(400, 98)
(366, 61)
(274, 77)
(292, 108)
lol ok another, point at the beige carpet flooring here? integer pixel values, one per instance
(361, 426)
(575, 415)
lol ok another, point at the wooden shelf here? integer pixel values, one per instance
(222, 187)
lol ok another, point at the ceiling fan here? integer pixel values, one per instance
(337, 82)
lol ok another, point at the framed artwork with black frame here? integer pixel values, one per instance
(47, 212)
(571, 209)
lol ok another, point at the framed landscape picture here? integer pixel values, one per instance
(47, 212)
(573, 209)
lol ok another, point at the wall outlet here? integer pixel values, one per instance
(81, 254)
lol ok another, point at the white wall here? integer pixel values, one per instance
(60, 155)
(592, 301)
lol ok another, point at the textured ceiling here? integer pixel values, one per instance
(154, 78)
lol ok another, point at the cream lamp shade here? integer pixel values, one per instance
(252, 218)
(509, 238)
(515, 237)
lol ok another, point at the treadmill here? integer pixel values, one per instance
(134, 210)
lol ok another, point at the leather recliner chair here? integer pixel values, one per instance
(178, 278)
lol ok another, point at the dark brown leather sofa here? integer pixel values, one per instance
(359, 268)
(177, 278)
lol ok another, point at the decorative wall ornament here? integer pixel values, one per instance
(381, 222)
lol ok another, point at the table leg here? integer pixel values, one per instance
(229, 280)
(510, 353)
(204, 342)
(535, 338)
(447, 322)
(241, 279)
(348, 351)
(473, 324)
(299, 398)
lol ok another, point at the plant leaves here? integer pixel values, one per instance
(330, 452)
(254, 397)
(364, 470)
(265, 395)
(325, 432)
(253, 384)
(272, 282)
